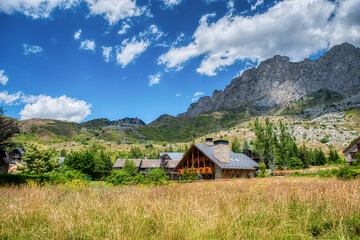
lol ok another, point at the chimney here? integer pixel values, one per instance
(209, 141)
(221, 151)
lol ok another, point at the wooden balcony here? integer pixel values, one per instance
(203, 170)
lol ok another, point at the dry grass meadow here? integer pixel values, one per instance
(271, 208)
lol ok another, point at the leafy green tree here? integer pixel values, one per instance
(305, 156)
(157, 176)
(136, 153)
(245, 146)
(130, 168)
(39, 160)
(334, 156)
(266, 142)
(286, 147)
(236, 146)
(295, 163)
(320, 157)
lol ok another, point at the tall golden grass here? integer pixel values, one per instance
(273, 208)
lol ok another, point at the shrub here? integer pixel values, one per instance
(324, 140)
(17, 179)
(262, 169)
(157, 177)
(346, 172)
(119, 177)
(295, 163)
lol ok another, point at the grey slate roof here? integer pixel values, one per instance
(237, 160)
(173, 155)
(145, 163)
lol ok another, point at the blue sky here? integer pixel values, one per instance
(77, 60)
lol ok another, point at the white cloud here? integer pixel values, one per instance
(293, 28)
(178, 94)
(77, 34)
(115, 10)
(154, 79)
(129, 50)
(32, 49)
(107, 53)
(10, 99)
(171, 3)
(60, 108)
(124, 28)
(3, 79)
(87, 45)
(35, 8)
(198, 94)
(258, 3)
(111, 10)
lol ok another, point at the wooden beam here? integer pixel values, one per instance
(198, 153)
(224, 173)
(237, 172)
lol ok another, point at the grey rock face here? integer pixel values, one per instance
(277, 81)
(128, 122)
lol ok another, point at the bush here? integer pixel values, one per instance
(262, 169)
(157, 177)
(17, 179)
(295, 163)
(120, 177)
(324, 140)
(346, 172)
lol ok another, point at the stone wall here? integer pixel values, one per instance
(218, 172)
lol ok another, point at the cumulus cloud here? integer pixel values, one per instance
(32, 49)
(129, 50)
(171, 3)
(10, 99)
(111, 10)
(87, 45)
(35, 8)
(3, 79)
(293, 28)
(124, 28)
(107, 53)
(178, 94)
(115, 10)
(258, 3)
(154, 79)
(197, 96)
(60, 108)
(77, 34)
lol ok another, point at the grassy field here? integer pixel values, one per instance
(272, 208)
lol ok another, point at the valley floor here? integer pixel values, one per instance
(269, 208)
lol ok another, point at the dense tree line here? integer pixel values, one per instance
(280, 149)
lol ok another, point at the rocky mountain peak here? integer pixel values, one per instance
(277, 81)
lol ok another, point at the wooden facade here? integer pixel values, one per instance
(208, 168)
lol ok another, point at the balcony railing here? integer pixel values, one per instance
(203, 170)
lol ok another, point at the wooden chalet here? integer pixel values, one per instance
(215, 160)
(351, 151)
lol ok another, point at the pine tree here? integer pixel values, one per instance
(235, 146)
(245, 146)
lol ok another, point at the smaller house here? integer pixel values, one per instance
(351, 150)
(17, 154)
(144, 165)
(169, 160)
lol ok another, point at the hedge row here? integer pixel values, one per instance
(17, 179)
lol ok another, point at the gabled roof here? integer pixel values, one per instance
(237, 160)
(351, 144)
(142, 163)
(173, 155)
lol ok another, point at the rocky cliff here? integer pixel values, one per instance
(277, 81)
